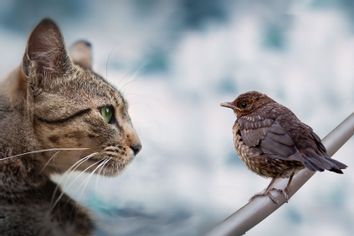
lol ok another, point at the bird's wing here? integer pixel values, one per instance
(270, 138)
(278, 144)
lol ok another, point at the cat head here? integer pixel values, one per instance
(71, 106)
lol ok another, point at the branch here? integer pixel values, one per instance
(261, 207)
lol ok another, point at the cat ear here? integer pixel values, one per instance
(45, 52)
(81, 53)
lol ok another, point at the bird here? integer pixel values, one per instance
(273, 142)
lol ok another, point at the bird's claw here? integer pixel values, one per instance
(281, 191)
(268, 193)
(263, 194)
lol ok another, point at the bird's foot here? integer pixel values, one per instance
(268, 193)
(265, 193)
(281, 191)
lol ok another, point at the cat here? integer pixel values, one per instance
(57, 115)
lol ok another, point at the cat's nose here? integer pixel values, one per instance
(136, 148)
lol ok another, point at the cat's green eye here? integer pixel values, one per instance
(107, 113)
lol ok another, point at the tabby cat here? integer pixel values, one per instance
(56, 115)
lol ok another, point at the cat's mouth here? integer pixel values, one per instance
(107, 161)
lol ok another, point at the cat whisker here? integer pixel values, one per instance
(89, 178)
(50, 159)
(81, 173)
(111, 148)
(133, 77)
(77, 164)
(72, 168)
(101, 170)
(43, 150)
(86, 158)
(107, 62)
(77, 178)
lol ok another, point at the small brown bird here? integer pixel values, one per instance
(273, 142)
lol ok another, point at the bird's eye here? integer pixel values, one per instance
(243, 105)
(107, 113)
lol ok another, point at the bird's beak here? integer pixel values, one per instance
(228, 105)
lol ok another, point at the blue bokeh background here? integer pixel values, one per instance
(175, 61)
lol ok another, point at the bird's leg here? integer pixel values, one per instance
(284, 191)
(270, 184)
(269, 189)
(265, 192)
(287, 186)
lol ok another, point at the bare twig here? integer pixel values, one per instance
(261, 207)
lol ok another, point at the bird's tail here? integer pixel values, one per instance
(324, 163)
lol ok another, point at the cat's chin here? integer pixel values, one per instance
(115, 167)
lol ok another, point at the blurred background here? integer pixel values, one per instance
(175, 61)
